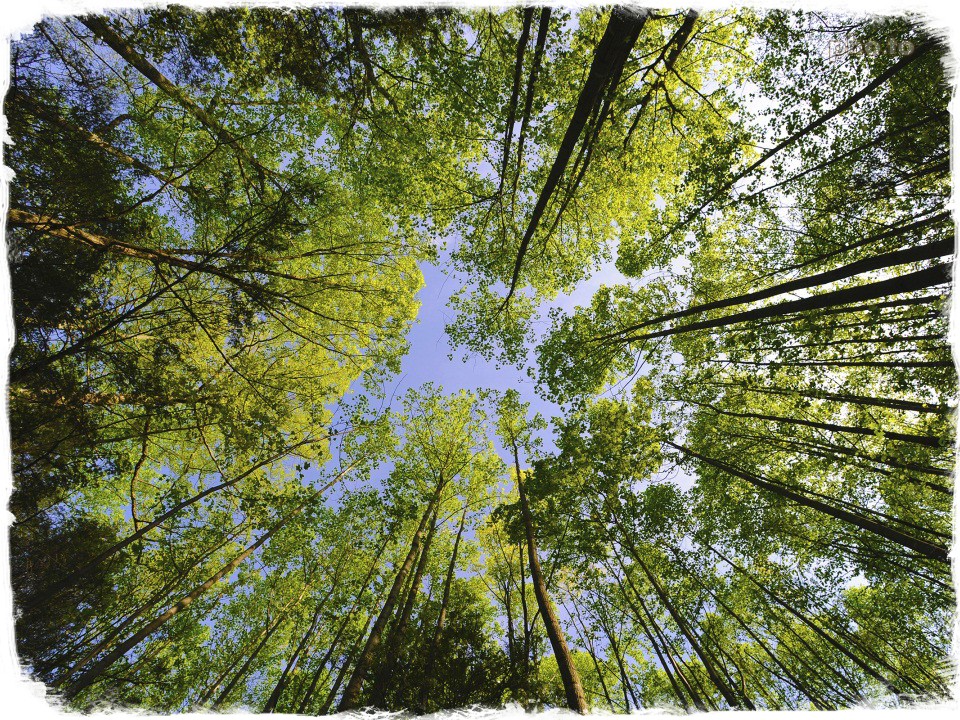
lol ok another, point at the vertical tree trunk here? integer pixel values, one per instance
(304, 704)
(428, 675)
(213, 686)
(576, 699)
(94, 673)
(393, 645)
(342, 672)
(278, 689)
(813, 626)
(351, 694)
(657, 640)
(242, 672)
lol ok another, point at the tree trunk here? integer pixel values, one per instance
(810, 624)
(428, 674)
(576, 699)
(394, 643)
(930, 550)
(242, 672)
(845, 105)
(118, 44)
(96, 671)
(858, 267)
(612, 51)
(278, 689)
(935, 275)
(304, 704)
(515, 93)
(72, 577)
(351, 694)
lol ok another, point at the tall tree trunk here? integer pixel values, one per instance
(239, 655)
(281, 684)
(342, 672)
(884, 402)
(628, 692)
(612, 51)
(658, 643)
(308, 695)
(242, 672)
(925, 440)
(686, 630)
(351, 694)
(817, 122)
(930, 550)
(65, 231)
(938, 274)
(428, 674)
(87, 568)
(820, 632)
(858, 267)
(542, 30)
(54, 118)
(119, 45)
(94, 673)
(576, 699)
(515, 94)
(150, 604)
(395, 638)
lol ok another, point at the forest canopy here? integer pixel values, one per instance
(707, 254)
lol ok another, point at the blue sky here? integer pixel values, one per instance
(429, 359)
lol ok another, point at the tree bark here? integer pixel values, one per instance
(394, 643)
(428, 675)
(927, 549)
(96, 671)
(351, 694)
(935, 275)
(576, 699)
(612, 51)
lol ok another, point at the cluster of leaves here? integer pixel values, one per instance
(216, 229)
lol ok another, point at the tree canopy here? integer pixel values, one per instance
(225, 497)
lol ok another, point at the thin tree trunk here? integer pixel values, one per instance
(304, 704)
(918, 280)
(885, 402)
(858, 267)
(658, 641)
(85, 570)
(685, 628)
(515, 93)
(428, 674)
(613, 49)
(242, 672)
(351, 694)
(341, 674)
(395, 638)
(107, 641)
(841, 108)
(54, 118)
(925, 440)
(278, 689)
(615, 646)
(96, 671)
(74, 233)
(930, 550)
(542, 30)
(105, 32)
(576, 699)
(810, 624)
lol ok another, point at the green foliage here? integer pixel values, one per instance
(217, 225)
